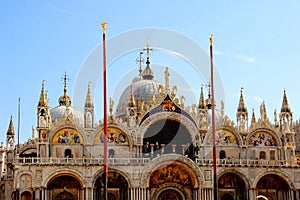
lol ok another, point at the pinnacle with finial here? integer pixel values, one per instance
(131, 100)
(43, 96)
(201, 100)
(89, 100)
(242, 107)
(253, 120)
(11, 130)
(285, 105)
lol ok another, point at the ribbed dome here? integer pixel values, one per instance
(142, 90)
(58, 111)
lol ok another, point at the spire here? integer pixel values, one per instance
(148, 73)
(285, 105)
(242, 107)
(10, 130)
(202, 104)
(65, 100)
(89, 101)
(43, 96)
(253, 120)
(131, 100)
(275, 116)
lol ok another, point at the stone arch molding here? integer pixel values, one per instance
(192, 129)
(115, 169)
(68, 125)
(237, 172)
(282, 174)
(25, 182)
(196, 174)
(67, 172)
(170, 186)
(268, 131)
(117, 126)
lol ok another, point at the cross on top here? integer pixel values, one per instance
(148, 49)
(65, 79)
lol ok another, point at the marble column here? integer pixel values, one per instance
(162, 148)
(173, 148)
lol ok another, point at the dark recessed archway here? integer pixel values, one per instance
(231, 181)
(26, 195)
(170, 194)
(65, 187)
(227, 197)
(274, 187)
(116, 183)
(169, 133)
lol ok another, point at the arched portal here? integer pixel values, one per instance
(227, 196)
(26, 195)
(64, 187)
(273, 187)
(64, 196)
(169, 134)
(230, 184)
(117, 186)
(171, 194)
(171, 181)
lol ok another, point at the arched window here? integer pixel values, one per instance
(111, 153)
(68, 153)
(222, 154)
(272, 155)
(262, 155)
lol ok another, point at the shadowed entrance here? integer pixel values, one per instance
(168, 134)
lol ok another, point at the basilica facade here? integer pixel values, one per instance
(158, 148)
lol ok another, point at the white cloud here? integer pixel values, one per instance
(258, 99)
(57, 9)
(244, 58)
(218, 53)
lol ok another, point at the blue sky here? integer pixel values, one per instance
(256, 47)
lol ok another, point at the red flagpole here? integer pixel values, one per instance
(213, 126)
(105, 173)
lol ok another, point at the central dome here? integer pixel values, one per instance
(142, 90)
(59, 111)
(143, 87)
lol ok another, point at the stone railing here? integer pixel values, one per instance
(80, 161)
(142, 161)
(248, 163)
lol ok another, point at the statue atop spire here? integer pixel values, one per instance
(263, 112)
(167, 81)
